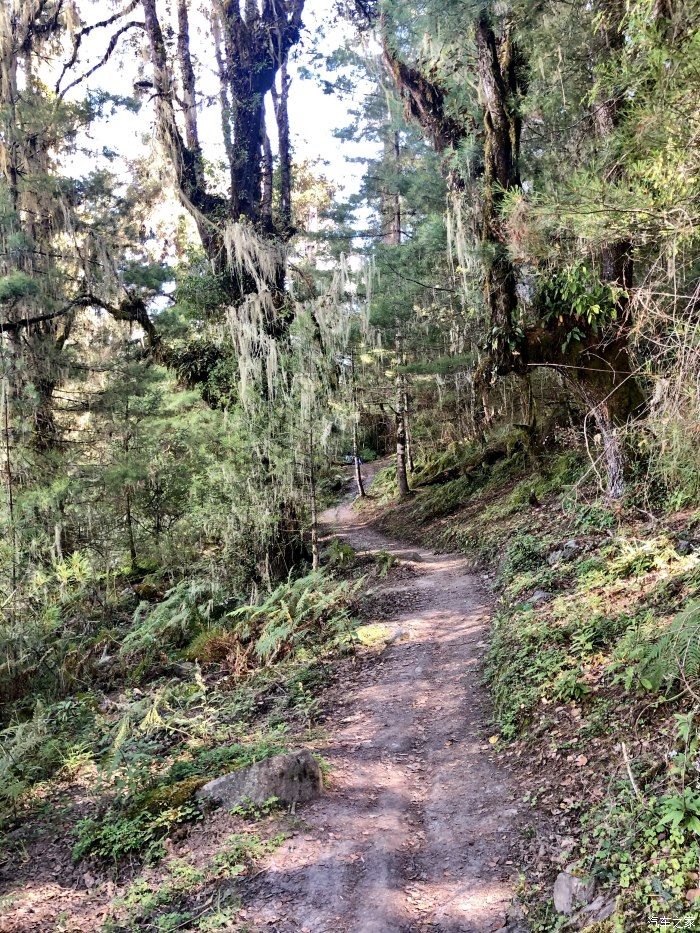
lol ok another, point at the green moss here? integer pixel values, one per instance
(170, 796)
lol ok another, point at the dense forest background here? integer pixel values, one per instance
(199, 332)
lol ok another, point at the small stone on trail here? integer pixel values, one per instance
(292, 778)
(401, 635)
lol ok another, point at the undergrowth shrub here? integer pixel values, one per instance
(170, 624)
(298, 615)
(667, 461)
(454, 458)
(340, 554)
(55, 739)
(284, 638)
(525, 553)
(440, 501)
(116, 835)
(661, 660)
(632, 558)
(644, 839)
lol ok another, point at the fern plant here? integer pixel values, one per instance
(170, 624)
(657, 662)
(296, 614)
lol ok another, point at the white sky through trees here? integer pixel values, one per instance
(122, 136)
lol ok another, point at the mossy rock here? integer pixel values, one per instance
(168, 796)
(372, 635)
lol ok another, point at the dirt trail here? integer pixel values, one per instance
(415, 830)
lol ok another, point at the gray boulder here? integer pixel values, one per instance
(292, 778)
(571, 892)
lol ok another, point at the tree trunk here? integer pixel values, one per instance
(130, 533)
(396, 226)
(612, 395)
(281, 106)
(315, 559)
(356, 458)
(391, 201)
(355, 421)
(401, 475)
(58, 540)
(189, 89)
(613, 450)
(498, 83)
(10, 483)
(616, 393)
(268, 184)
(225, 105)
(405, 407)
(127, 492)
(247, 167)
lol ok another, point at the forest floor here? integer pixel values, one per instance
(418, 825)
(447, 807)
(418, 828)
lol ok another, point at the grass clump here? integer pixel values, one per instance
(201, 897)
(116, 836)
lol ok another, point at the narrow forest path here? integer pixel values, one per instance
(417, 825)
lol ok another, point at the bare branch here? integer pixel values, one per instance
(134, 24)
(86, 30)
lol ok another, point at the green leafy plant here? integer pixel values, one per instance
(117, 836)
(385, 561)
(680, 811)
(568, 686)
(340, 554)
(525, 553)
(576, 295)
(240, 850)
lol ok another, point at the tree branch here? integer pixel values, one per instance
(134, 24)
(86, 30)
